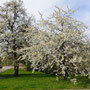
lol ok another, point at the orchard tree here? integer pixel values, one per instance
(14, 23)
(59, 47)
(71, 42)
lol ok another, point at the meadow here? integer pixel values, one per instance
(38, 81)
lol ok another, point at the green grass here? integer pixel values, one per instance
(38, 81)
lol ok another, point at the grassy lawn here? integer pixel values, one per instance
(38, 81)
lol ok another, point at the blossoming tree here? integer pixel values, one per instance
(59, 46)
(14, 23)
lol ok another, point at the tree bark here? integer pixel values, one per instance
(28, 66)
(16, 65)
(16, 68)
(63, 78)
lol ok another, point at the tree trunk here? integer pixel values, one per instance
(63, 78)
(28, 66)
(16, 65)
(16, 69)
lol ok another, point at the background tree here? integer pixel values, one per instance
(14, 23)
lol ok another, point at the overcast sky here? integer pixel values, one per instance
(47, 6)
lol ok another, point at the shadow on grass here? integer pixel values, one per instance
(40, 75)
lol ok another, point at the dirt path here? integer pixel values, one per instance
(5, 68)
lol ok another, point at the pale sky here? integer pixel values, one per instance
(47, 6)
